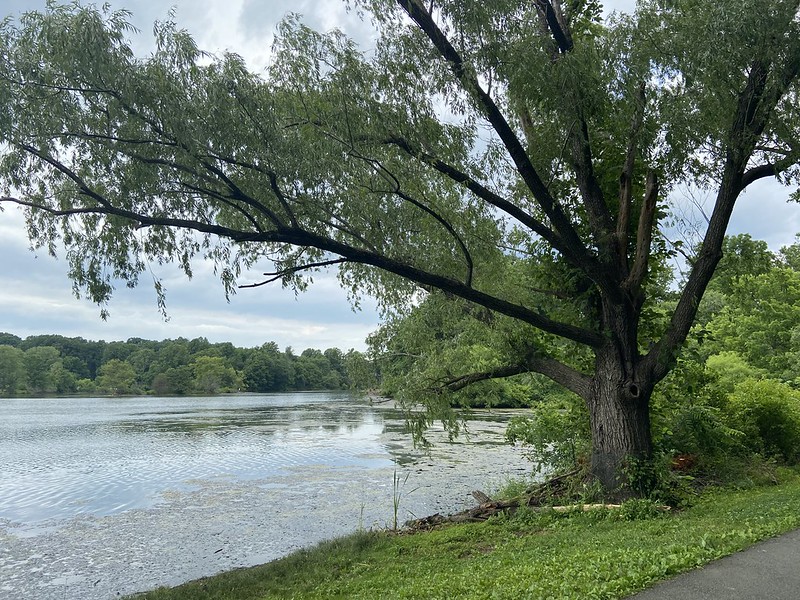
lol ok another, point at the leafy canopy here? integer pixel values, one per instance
(474, 141)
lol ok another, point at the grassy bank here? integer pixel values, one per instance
(599, 554)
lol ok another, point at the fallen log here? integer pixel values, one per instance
(534, 498)
(491, 509)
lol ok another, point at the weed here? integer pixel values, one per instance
(397, 495)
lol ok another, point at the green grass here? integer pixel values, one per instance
(530, 555)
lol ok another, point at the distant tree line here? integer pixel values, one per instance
(54, 364)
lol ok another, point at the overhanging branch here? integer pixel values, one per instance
(303, 238)
(560, 373)
(280, 274)
(483, 193)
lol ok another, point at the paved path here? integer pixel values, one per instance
(767, 571)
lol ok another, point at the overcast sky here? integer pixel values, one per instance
(36, 296)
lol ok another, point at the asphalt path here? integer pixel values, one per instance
(769, 570)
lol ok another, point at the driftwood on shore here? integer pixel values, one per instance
(536, 498)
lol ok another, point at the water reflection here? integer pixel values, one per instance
(66, 457)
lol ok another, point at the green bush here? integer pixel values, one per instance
(556, 437)
(767, 412)
(731, 368)
(655, 481)
(700, 431)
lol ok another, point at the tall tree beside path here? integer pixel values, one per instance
(475, 144)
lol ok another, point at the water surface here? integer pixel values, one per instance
(64, 457)
(101, 497)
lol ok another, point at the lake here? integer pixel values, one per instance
(107, 496)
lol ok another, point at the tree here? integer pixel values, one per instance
(116, 376)
(141, 360)
(64, 380)
(742, 256)
(79, 355)
(9, 339)
(761, 322)
(172, 354)
(175, 380)
(476, 140)
(360, 371)
(266, 369)
(312, 371)
(39, 361)
(12, 369)
(213, 373)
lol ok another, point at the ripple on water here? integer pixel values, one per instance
(256, 482)
(125, 453)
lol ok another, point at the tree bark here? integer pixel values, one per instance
(619, 417)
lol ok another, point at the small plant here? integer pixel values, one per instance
(361, 518)
(637, 509)
(654, 480)
(513, 488)
(398, 485)
(556, 437)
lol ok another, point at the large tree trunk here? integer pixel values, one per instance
(620, 422)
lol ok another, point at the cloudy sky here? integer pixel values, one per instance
(36, 296)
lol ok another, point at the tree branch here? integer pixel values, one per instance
(560, 373)
(483, 193)
(395, 182)
(273, 181)
(644, 235)
(427, 278)
(571, 241)
(767, 170)
(597, 211)
(755, 104)
(444, 223)
(556, 23)
(275, 276)
(225, 200)
(626, 180)
(300, 237)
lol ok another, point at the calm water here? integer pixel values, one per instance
(105, 497)
(64, 457)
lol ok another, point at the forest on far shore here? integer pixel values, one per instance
(56, 365)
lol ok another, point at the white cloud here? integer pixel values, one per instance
(764, 213)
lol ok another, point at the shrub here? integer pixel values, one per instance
(767, 412)
(700, 431)
(731, 369)
(639, 509)
(655, 481)
(556, 437)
